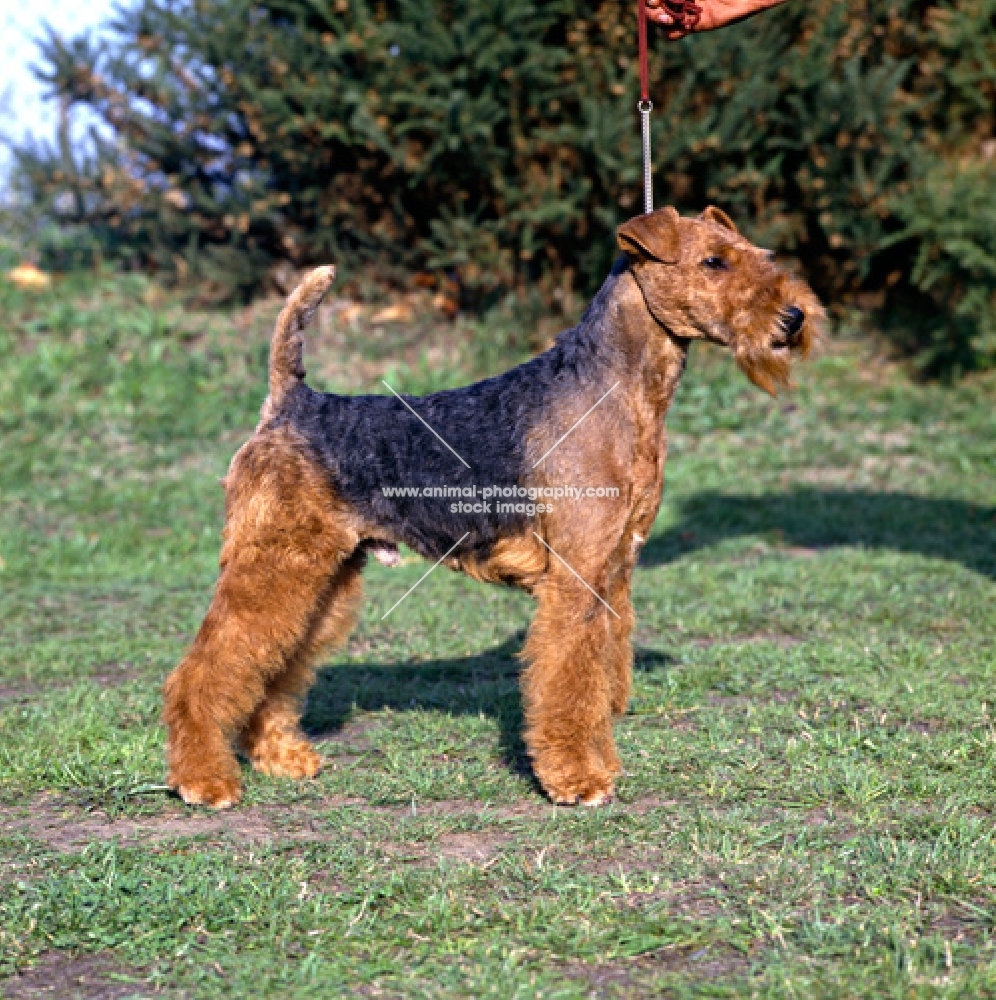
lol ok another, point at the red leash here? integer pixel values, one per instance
(641, 15)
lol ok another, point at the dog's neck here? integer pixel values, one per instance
(659, 355)
(619, 340)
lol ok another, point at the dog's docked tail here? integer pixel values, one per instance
(287, 346)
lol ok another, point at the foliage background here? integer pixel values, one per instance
(496, 141)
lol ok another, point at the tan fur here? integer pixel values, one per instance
(293, 551)
(272, 739)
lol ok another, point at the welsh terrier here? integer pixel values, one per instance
(306, 502)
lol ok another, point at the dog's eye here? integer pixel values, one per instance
(715, 264)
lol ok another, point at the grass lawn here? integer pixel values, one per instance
(810, 755)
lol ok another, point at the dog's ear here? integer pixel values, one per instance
(717, 215)
(655, 236)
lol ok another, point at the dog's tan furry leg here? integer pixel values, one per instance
(568, 694)
(284, 541)
(272, 740)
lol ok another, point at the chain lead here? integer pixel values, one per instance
(645, 107)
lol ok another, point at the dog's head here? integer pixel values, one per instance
(701, 279)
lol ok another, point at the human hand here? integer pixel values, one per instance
(681, 17)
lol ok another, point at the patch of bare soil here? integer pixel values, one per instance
(640, 807)
(472, 848)
(12, 693)
(66, 827)
(113, 674)
(925, 727)
(837, 824)
(481, 848)
(83, 977)
(106, 675)
(959, 924)
(640, 976)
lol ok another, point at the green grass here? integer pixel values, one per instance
(810, 756)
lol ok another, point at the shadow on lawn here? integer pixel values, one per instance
(813, 518)
(483, 683)
(817, 518)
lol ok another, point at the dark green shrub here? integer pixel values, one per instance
(499, 140)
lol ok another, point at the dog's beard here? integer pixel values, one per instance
(767, 361)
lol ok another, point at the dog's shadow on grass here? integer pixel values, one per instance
(485, 683)
(488, 682)
(819, 518)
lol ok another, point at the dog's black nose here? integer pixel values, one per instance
(792, 320)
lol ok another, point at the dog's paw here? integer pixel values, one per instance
(286, 758)
(600, 797)
(593, 795)
(216, 793)
(594, 787)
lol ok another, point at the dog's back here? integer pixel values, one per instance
(383, 452)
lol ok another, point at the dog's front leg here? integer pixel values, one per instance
(568, 691)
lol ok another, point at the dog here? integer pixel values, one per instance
(310, 495)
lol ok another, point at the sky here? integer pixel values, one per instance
(22, 108)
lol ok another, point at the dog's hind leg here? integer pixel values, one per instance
(285, 539)
(272, 740)
(568, 693)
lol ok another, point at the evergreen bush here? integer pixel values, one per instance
(498, 139)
